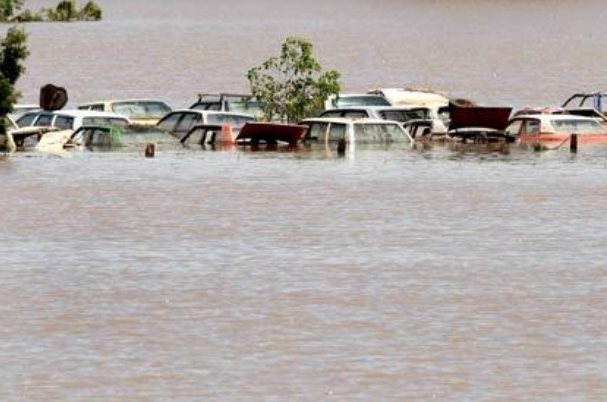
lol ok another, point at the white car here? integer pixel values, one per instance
(140, 111)
(71, 119)
(362, 131)
(402, 114)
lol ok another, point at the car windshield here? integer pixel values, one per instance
(141, 109)
(378, 133)
(579, 126)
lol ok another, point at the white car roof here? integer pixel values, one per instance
(404, 96)
(554, 117)
(88, 113)
(107, 101)
(211, 112)
(345, 120)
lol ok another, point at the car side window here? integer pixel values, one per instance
(64, 122)
(514, 128)
(168, 123)
(337, 132)
(317, 131)
(187, 121)
(98, 108)
(44, 120)
(26, 120)
(531, 127)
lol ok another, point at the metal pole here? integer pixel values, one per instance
(573, 143)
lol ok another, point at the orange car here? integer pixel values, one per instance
(551, 129)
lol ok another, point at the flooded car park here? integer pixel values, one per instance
(423, 272)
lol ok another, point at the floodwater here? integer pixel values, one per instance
(387, 275)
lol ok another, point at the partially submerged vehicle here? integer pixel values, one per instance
(228, 102)
(355, 100)
(103, 137)
(402, 114)
(396, 113)
(252, 133)
(50, 131)
(555, 130)
(139, 111)
(71, 119)
(479, 124)
(180, 122)
(362, 131)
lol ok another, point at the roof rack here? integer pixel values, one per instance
(596, 97)
(222, 95)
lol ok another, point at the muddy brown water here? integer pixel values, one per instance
(388, 275)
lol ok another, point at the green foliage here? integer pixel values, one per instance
(65, 11)
(91, 12)
(8, 8)
(13, 52)
(292, 86)
(29, 16)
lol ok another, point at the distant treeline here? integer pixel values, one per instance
(65, 11)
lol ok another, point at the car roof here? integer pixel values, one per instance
(554, 117)
(210, 112)
(88, 113)
(345, 120)
(376, 108)
(108, 101)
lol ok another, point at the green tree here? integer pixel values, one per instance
(13, 52)
(65, 11)
(91, 12)
(8, 8)
(292, 86)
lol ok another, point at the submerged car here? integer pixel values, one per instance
(71, 119)
(479, 124)
(180, 122)
(139, 111)
(363, 131)
(402, 114)
(551, 129)
(110, 137)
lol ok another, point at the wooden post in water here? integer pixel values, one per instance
(150, 150)
(341, 147)
(573, 143)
